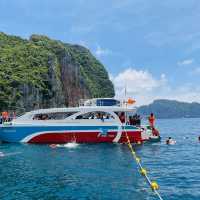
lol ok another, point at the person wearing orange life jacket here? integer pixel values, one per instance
(5, 116)
(151, 120)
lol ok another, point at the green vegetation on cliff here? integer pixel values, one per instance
(41, 72)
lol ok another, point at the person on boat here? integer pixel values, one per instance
(138, 120)
(134, 120)
(155, 132)
(98, 115)
(13, 115)
(170, 141)
(151, 120)
(45, 117)
(122, 117)
(1, 119)
(130, 120)
(5, 116)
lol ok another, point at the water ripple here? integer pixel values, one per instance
(105, 171)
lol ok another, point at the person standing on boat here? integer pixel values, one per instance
(1, 119)
(138, 120)
(122, 117)
(13, 115)
(151, 120)
(5, 116)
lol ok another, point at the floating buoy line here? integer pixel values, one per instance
(153, 184)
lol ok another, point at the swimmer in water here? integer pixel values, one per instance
(170, 141)
(199, 138)
(67, 145)
(1, 154)
(53, 146)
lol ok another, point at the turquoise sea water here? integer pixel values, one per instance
(104, 171)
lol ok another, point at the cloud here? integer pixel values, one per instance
(196, 71)
(82, 29)
(185, 62)
(145, 88)
(136, 80)
(101, 52)
(186, 93)
(137, 84)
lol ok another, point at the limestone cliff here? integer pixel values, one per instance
(42, 73)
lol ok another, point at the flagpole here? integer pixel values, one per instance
(125, 102)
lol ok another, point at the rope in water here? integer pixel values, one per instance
(153, 184)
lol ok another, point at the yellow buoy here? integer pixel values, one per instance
(137, 159)
(143, 172)
(154, 185)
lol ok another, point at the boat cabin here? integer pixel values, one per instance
(106, 110)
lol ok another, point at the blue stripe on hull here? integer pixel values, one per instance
(17, 133)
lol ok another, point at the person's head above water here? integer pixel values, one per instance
(170, 141)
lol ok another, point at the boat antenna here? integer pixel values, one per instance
(125, 102)
(125, 90)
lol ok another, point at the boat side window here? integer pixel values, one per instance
(53, 116)
(41, 117)
(95, 115)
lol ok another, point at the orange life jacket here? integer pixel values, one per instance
(5, 115)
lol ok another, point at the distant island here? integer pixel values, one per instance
(41, 72)
(164, 108)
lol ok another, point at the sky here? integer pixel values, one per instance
(150, 47)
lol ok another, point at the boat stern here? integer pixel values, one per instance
(150, 134)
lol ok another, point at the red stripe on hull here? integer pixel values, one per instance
(84, 137)
(134, 137)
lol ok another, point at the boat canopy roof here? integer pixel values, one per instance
(83, 109)
(107, 105)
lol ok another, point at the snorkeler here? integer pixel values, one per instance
(170, 141)
(67, 145)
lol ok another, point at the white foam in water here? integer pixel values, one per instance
(8, 154)
(172, 142)
(2, 154)
(68, 145)
(71, 145)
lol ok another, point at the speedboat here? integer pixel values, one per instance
(94, 121)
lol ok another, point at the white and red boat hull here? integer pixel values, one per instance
(65, 134)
